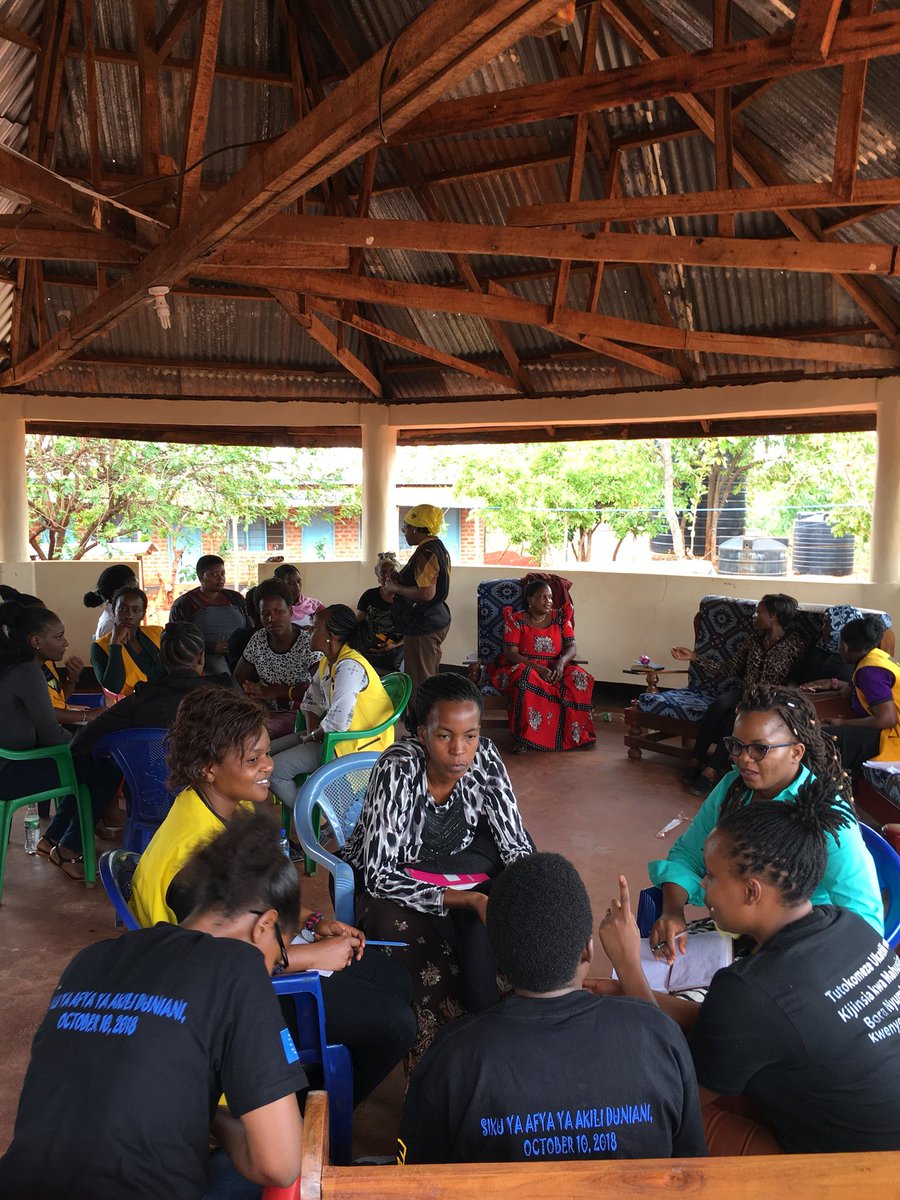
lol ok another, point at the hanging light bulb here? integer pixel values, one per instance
(159, 303)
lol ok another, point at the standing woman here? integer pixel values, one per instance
(27, 721)
(779, 752)
(549, 696)
(345, 694)
(278, 660)
(215, 610)
(874, 694)
(385, 651)
(421, 591)
(113, 578)
(130, 654)
(303, 608)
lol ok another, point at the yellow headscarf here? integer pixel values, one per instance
(426, 516)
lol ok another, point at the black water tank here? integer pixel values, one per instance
(752, 556)
(817, 551)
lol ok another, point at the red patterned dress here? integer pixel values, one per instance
(544, 715)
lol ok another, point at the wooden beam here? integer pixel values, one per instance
(448, 237)
(27, 181)
(19, 37)
(572, 323)
(853, 90)
(438, 49)
(814, 29)
(19, 239)
(855, 39)
(724, 142)
(320, 333)
(415, 347)
(148, 83)
(205, 435)
(203, 366)
(175, 26)
(206, 48)
(760, 198)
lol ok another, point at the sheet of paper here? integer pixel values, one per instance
(459, 883)
(706, 953)
(655, 970)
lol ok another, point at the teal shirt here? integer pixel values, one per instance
(849, 880)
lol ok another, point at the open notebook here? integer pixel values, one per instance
(707, 953)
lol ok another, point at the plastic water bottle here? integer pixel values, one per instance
(285, 846)
(32, 829)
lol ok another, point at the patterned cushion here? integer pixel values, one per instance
(493, 596)
(722, 624)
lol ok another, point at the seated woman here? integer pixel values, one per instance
(873, 732)
(218, 1028)
(822, 668)
(769, 655)
(441, 803)
(154, 703)
(278, 661)
(345, 694)
(549, 696)
(50, 647)
(804, 1029)
(130, 654)
(215, 610)
(779, 751)
(111, 579)
(385, 651)
(27, 721)
(218, 753)
(303, 608)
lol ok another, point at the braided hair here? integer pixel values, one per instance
(457, 689)
(180, 645)
(343, 622)
(829, 784)
(18, 623)
(784, 841)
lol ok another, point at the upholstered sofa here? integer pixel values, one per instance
(666, 721)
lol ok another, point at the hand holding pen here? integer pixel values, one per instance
(668, 936)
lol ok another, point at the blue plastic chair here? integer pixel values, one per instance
(649, 908)
(338, 789)
(887, 866)
(337, 1068)
(116, 870)
(140, 755)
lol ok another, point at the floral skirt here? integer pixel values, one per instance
(545, 715)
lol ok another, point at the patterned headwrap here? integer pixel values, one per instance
(426, 516)
(837, 616)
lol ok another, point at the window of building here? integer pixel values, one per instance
(259, 536)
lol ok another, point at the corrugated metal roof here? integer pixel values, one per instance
(795, 119)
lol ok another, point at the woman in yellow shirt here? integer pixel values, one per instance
(130, 654)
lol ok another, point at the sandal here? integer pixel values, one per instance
(73, 867)
(46, 846)
(702, 786)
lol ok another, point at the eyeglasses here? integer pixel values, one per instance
(285, 962)
(756, 750)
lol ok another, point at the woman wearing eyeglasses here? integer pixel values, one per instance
(778, 750)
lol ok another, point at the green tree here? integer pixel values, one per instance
(84, 492)
(544, 496)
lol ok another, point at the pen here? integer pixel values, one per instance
(658, 946)
(401, 944)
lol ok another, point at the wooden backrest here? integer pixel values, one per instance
(759, 1177)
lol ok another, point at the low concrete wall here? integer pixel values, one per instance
(619, 615)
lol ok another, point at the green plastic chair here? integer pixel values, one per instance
(399, 689)
(68, 786)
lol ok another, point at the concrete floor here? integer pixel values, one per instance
(594, 806)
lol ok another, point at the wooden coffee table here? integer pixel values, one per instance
(652, 674)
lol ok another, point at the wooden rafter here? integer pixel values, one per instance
(438, 49)
(814, 29)
(148, 83)
(297, 310)
(581, 325)
(853, 90)
(175, 26)
(855, 39)
(207, 44)
(724, 142)
(90, 92)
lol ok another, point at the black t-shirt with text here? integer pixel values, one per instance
(576, 1076)
(808, 1028)
(142, 1036)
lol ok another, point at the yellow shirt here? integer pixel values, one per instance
(189, 825)
(889, 748)
(54, 684)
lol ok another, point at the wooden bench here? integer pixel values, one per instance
(758, 1177)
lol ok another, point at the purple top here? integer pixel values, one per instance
(875, 683)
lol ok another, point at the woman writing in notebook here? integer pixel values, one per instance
(440, 805)
(779, 752)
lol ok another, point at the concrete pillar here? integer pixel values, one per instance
(13, 499)
(379, 517)
(885, 566)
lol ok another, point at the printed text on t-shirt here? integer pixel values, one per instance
(870, 982)
(566, 1132)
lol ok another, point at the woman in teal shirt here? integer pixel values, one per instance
(778, 750)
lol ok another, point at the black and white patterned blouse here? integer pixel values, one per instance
(389, 831)
(293, 667)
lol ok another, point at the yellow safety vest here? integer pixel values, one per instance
(373, 704)
(889, 748)
(133, 674)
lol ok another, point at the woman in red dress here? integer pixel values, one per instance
(549, 695)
